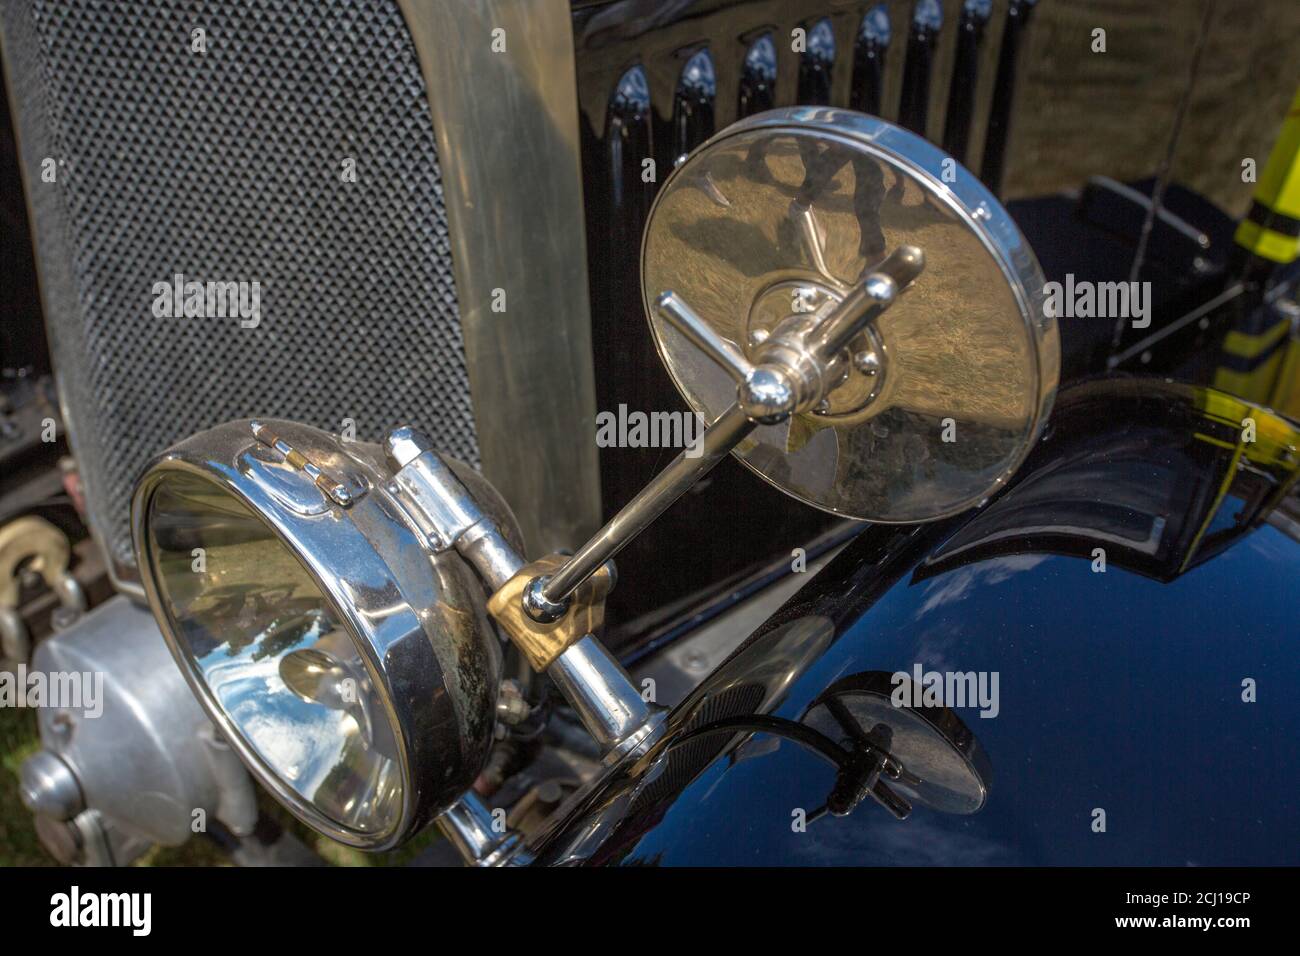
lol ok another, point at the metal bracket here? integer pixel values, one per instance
(542, 642)
(591, 680)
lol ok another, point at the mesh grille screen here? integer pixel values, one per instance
(226, 166)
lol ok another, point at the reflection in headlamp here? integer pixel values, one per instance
(258, 632)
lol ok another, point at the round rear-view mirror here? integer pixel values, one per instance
(771, 224)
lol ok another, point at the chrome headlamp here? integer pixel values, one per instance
(348, 660)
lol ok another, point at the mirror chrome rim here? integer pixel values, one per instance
(416, 650)
(965, 201)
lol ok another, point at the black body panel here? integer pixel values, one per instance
(1121, 690)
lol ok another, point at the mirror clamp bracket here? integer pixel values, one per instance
(543, 641)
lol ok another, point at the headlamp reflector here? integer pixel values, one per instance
(273, 653)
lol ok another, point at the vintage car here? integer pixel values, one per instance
(695, 432)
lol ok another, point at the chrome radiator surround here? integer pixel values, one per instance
(504, 102)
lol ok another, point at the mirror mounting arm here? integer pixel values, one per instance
(785, 381)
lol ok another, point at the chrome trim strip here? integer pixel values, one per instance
(507, 130)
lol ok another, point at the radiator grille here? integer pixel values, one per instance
(228, 165)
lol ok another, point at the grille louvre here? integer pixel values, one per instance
(226, 166)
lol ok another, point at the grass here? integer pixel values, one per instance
(18, 739)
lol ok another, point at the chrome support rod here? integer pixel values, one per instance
(468, 826)
(597, 687)
(650, 502)
(765, 395)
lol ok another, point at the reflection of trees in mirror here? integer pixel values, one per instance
(965, 364)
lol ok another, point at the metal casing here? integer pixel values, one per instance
(416, 615)
(141, 762)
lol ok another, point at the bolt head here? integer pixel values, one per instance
(766, 396)
(47, 785)
(867, 362)
(404, 444)
(550, 793)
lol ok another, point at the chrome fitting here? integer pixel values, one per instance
(537, 607)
